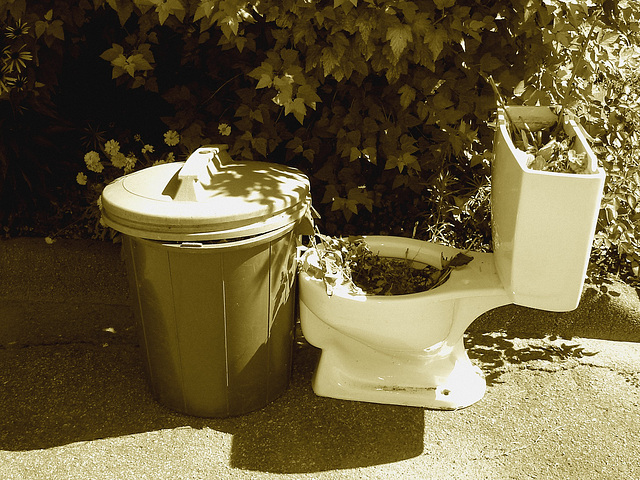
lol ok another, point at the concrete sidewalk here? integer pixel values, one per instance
(563, 397)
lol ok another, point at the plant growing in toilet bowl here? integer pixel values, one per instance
(351, 264)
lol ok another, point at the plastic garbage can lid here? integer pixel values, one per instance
(208, 197)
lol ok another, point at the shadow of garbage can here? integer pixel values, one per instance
(210, 248)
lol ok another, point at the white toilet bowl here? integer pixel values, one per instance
(401, 349)
(408, 349)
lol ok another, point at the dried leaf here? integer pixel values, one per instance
(460, 260)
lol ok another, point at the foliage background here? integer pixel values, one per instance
(384, 103)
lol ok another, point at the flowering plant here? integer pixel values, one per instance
(107, 160)
(16, 59)
(113, 158)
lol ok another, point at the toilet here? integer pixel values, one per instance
(408, 349)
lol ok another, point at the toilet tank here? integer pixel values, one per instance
(543, 223)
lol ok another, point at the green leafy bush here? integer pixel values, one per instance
(617, 243)
(385, 103)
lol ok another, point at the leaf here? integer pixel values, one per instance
(309, 95)
(393, 161)
(398, 36)
(360, 196)
(284, 86)
(309, 155)
(436, 38)
(163, 14)
(169, 7)
(406, 159)
(442, 4)
(297, 107)
(371, 154)
(407, 95)
(364, 27)
(257, 116)
(330, 193)
(409, 10)
(138, 82)
(41, 27)
(120, 66)
(18, 8)
(520, 88)
(204, 9)
(56, 29)
(354, 154)
(264, 81)
(295, 144)
(262, 73)
(130, 69)
(343, 204)
(442, 101)
(609, 39)
(352, 206)
(460, 260)
(410, 161)
(124, 9)
(488, 63)
(476, 25)
(139, 62)
(423, 110)
(329, 60)
(114, 52)
(229, 25)
(260, 144)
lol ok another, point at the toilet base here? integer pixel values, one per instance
(442, 378)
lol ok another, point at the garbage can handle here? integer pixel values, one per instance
(202, 164)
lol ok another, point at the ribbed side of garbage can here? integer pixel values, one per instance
(215, 321)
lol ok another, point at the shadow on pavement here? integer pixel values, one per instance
(58, 395)
(61, 394)
(495, 350)
(611, 313)
(306, 433)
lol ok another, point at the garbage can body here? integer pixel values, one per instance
(214, 307)
(215, 321)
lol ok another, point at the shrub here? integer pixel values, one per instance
(617, 242)
(385, 103)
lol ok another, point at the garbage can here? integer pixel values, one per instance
(210, 247)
